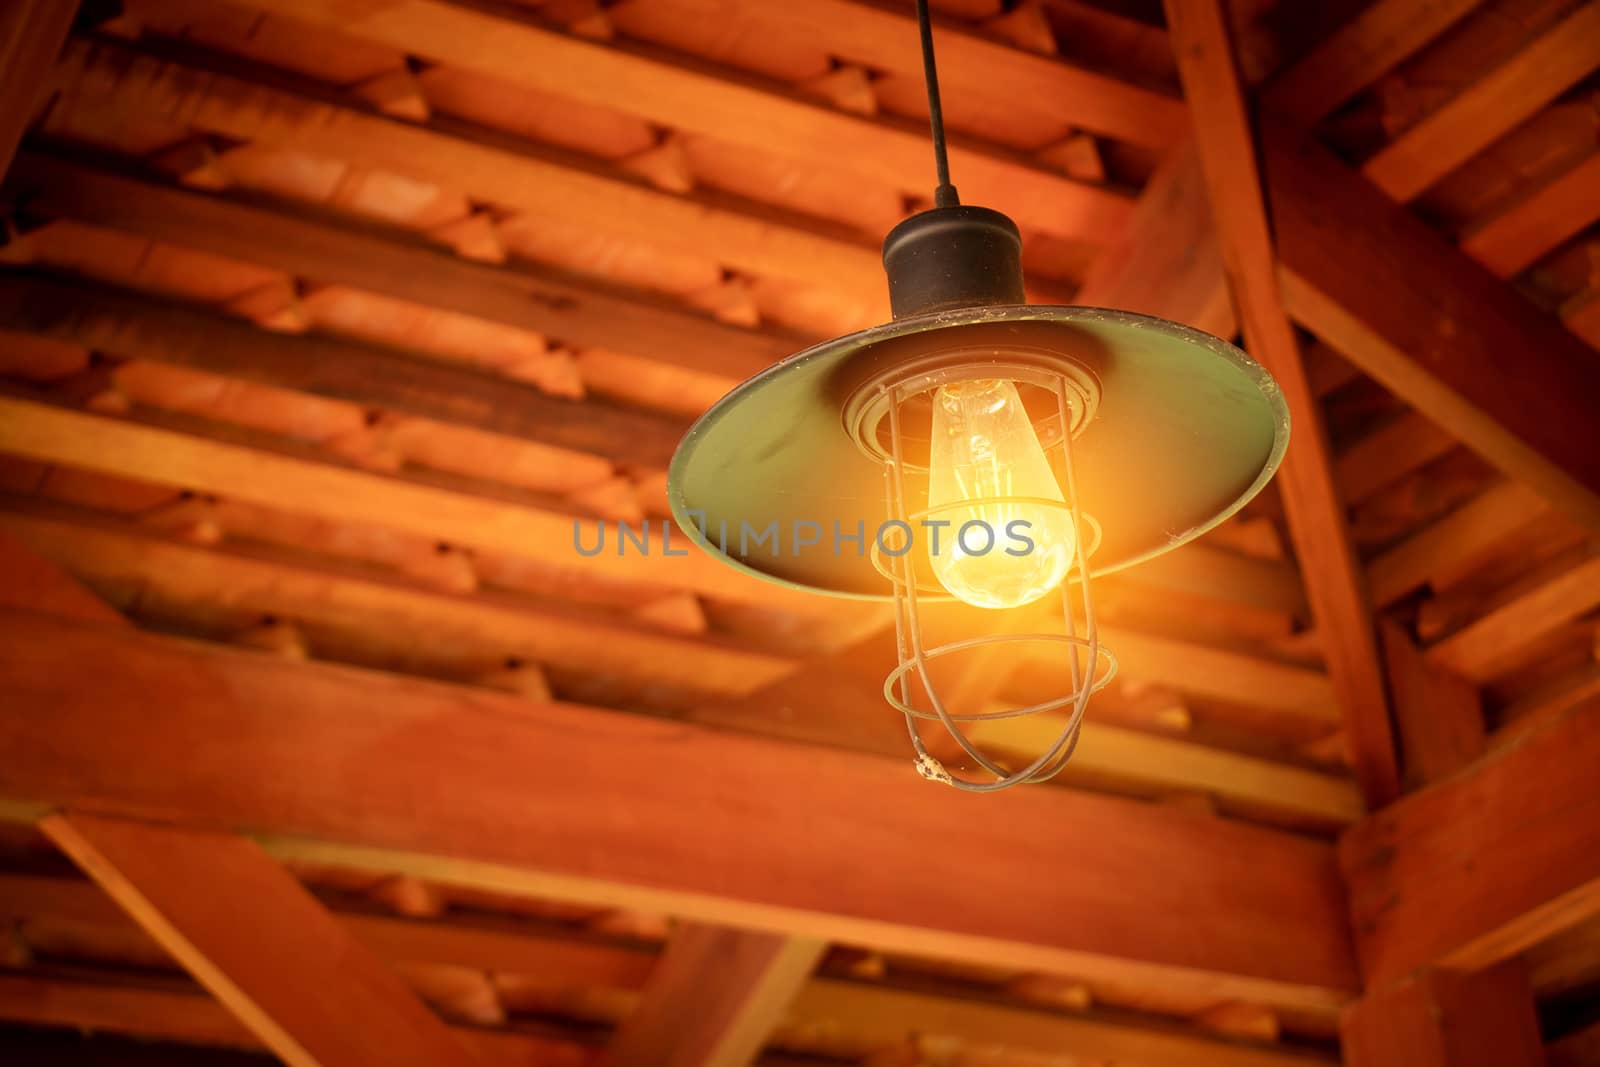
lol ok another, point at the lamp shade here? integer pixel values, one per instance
(1185, 430)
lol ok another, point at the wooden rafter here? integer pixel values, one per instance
(520, 948)
(274, 474)
(714, 998)
(194, 1018)
(659, 829)
(329, 250)
(260, 943)
(653, 86)
(1167, 263)
(1474, 869)
(115, 322)
(1493, 105)
(1507, 379)
(517, 177)
(883, 38)
(1371, 44)
(1329, 567)
(345, 603)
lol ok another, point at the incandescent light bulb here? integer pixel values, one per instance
(994, 555)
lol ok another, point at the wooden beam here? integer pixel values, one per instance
(1109, 756)
(1466, 535)
(870, 1009)
(884, 1016)
(1153, 764)
(1538, 222)
(337, 251)
(123, 324)
(1167, 262)
(519, 946)
(1438, 714)
(1472, 870)
(1378, 39)
(1222, 674)
(303, 480)
(659, 832)
(259, 942)
(348, 603)
(1356, 266)
(538, 181)
(31, 35)
(1492, 643)
(1316, 515)
(1387, 454)
(876, 35)
(1447, 1019)
(736, 108)
(1490, 107)
(714, 999)
(194, 1018)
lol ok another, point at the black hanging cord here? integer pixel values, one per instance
(945, 194)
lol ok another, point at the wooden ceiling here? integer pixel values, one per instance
(323, 321)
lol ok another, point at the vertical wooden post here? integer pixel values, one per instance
(1438, 714)
(714, 998)
(1447, 1019)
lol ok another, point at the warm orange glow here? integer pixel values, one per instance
(984, 446)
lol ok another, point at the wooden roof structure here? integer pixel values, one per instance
(323, 321)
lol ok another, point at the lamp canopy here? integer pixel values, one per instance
(1184, 430)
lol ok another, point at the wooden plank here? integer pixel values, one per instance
(1378, 39)
(1224, 674)
(346, 603)
(291, 974)
(1438, 714)
(332, 250)
(1167, 263)
(1239, 782)
(31, 35)
(869, 1009)
(295, 481)
(1356, 266)
(1201, 570)
(876, 35)
(1447, 1019)
(1466, 535)
(519, 946)
(1538, 222)
(733, 107)
(193, 1018)
(1388, 454)
(884, 1016)
(659, 833)
(1334, 582)
(124, 324)
(1490, 107)
(714, 999)
(1547, 702)
(1478, 867)
(510, 174)
(1492, 643)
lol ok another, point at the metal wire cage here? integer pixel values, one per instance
(910, 687)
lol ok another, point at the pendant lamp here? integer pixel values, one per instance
(981, 449)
